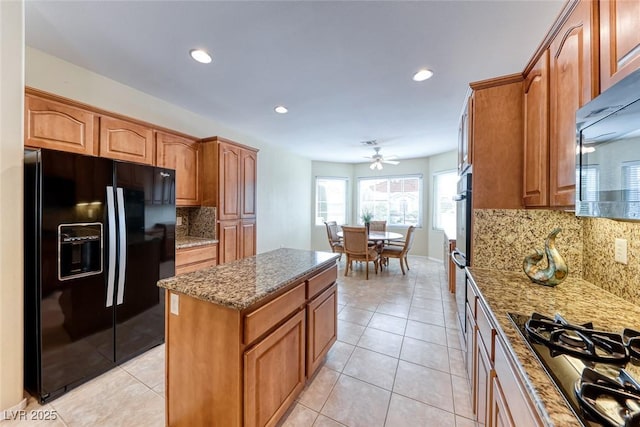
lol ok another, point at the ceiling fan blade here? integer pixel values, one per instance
(390, 157)
(391, 162)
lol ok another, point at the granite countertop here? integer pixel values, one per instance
(240, 284)
(190, 242)
(575, 299)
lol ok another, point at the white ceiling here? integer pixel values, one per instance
(343, 68)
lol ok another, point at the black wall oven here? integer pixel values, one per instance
(461, 256)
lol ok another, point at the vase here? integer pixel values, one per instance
(366, 225)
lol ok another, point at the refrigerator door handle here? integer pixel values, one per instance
(111, 218)
(122, 232)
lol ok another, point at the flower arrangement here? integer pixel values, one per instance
(366, 216)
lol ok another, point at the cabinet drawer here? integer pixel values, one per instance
(486, 330)
(196, 258)
(320, 282)
(264, 318)
(519, 404)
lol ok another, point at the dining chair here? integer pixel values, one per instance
(334, 241)
(400, 252)
(357, 249)
(378, 226)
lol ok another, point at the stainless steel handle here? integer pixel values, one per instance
(111, 219)
(122, 232)
(456, 253)
(459, 197)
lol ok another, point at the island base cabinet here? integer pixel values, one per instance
(274, 372)
(322, 327)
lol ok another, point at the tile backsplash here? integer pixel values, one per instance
(197, 222)
(599, 264)
(503, 237)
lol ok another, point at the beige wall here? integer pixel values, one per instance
(11, 295)
(282, 219)
(428, 242)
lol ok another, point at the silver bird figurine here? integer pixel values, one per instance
(556, 270)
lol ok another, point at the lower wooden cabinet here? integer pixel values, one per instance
(237, 239)
(483, 374)
(498, 397)
(322, 326)
(274, 373)
(196, 258)
(500, 414)
(230, 367)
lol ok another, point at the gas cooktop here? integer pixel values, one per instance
(596, 371)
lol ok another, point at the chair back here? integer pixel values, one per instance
(408, 242)
(332, 231)
(355, 240)
(378, 226)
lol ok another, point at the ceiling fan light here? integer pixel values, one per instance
(422, 75)
(372, 166)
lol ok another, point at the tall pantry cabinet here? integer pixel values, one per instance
(229, 183)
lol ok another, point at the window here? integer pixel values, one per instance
(331, 200)
(444, 208)
(631, 181)
(589, 183)
(397, 200)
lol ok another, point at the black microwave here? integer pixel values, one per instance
(608, 153)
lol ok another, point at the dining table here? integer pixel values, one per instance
(375, 236)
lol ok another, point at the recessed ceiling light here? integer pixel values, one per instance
(200, 56)
(422, 75)
(280, 109)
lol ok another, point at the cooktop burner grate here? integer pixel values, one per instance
(581, 341)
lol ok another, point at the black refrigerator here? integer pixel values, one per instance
(99, 234)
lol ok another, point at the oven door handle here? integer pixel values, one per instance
(459, 197)
(460, 263)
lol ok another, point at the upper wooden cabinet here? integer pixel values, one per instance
(465, 137)
(51, 124)
(496, 132)
(619, 40)
(573, 82)
(124, 140)
(229, 183)
(183, 155)
(535, 190)
(249, 168)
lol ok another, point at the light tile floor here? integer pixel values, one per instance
(397, 362)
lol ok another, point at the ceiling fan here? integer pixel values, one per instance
(377, 160)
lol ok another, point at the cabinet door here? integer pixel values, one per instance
(465, 135)
(536, 134)
(322, 327)
(249, 170)
(50, 124)
(274, 373)
(248, 239)
(619, 40)
(471, 355)
(183, 155)
(572, 83)
(123, 140)
(500, 415)
(484, 374)
(229, 241)
(229, 181)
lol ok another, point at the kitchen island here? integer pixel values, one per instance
(242, 338)
(513, 368)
